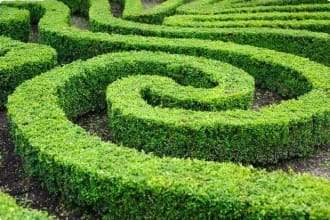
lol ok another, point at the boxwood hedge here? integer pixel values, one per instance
(125, 183)
(268, 16)
(291, 41)
(72, 43)
(309, 24)
(16, 66)
(9, 210)
(14, 23)
(209, 8)
(253, 3)
(273, 133)
(135, 11)
(313, 21)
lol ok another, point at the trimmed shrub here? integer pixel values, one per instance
(292, 41)
(124, 183)
(15, 23)
(209, 8)
(309, 24)
(267, 16)
(135, 11)
(16, 66)
(72, 43)
(9, 210)
(273, 133)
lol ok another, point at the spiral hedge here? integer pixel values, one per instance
(203, 112)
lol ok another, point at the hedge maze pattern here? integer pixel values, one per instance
(177, 83)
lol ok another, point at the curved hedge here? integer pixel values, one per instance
(310, 24)
(292, 41)
(209, 8)
(15, 23)
(125, 183)
(72, 43)
(274, 133)
(135, 11)
(267, 16)
(16, 66)
(253, 3)
(9, 210)
(312, 21)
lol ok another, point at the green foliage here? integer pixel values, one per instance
(16, 66)
(135, 11)
(267, 16)
(124, 183)
(9, 210)
(72, 43)
(14, 23)
(228, 6)
(274, 133)
(302, 43)
(312, 25)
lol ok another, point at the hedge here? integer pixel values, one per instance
(267, 16)
(210, 89)
(125, 183)
(16, 66)
(135, 11)
(253, 3)
(229, 6)
(14, 23)
(72, 43)
(272, 134)
(9, 210)
(308, 24)
(291, 41)
(211, 10)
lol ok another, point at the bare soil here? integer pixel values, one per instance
(34, 34)
(151, 3)
(80, 22)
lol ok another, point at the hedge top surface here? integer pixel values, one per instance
(253, 3)
(211, 7)
(9, 13)
(134, 10)
(206, 189)
(14, 23)
(16, 66)
(256, 16)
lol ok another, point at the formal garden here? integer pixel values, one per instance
(165, 109)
